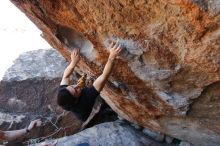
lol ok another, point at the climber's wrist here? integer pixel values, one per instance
(73, 63)
(27, 130)
(111, 59)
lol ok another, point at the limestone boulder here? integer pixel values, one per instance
(107, 134)
(167, 77)
(28, 91)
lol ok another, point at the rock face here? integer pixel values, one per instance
(108, 134)
(36, 64)
(28, 91)
(167, 77)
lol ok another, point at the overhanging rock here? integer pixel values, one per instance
(169, 66)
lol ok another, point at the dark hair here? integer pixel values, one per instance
(65, 99)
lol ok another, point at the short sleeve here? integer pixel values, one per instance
(62, 87)
(93, 92)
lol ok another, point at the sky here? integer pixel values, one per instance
(17, 35)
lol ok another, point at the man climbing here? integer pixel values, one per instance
(77, 98)
(13, 135)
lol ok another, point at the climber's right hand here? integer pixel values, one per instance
(115, 49)
(75, 56)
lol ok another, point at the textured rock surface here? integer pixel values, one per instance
(36, 64)
(109, 134)
(167, 78)
(28, 91)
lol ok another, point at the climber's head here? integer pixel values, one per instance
(74, 90)
(68, 96)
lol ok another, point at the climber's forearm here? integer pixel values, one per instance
(75, 56)
(67, 73)
(108, 68)
(99, 83)
(101, 80)
(12, 135)
(69, 70)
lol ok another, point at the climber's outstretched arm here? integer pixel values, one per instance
(99, 83)
(75, 56)
(12, 135)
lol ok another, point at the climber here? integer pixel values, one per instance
(77, 98)
(13, 135)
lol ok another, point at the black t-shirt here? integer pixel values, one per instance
(83, 107)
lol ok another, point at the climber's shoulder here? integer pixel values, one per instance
(91, 91)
